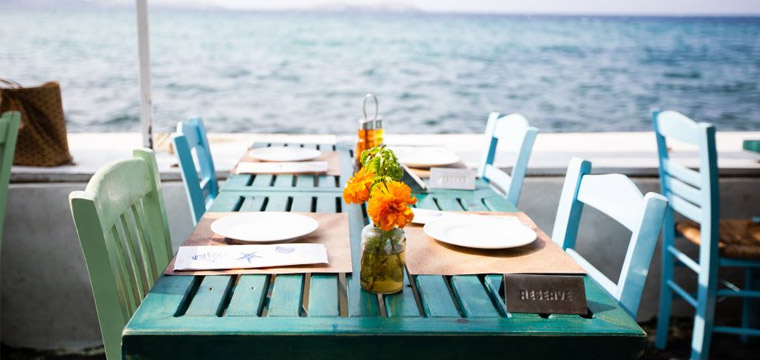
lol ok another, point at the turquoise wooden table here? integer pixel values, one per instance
(329, 317)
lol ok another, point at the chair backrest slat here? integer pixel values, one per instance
(514, 132)
(498, 178)
(683, 190)
(201, 183)
(682, 173)
(613, 194)
(123, 229)
(151, 270)
(9, 122)
(618, 197)
(684, 207)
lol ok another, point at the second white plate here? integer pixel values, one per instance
(264, 227)
(480, 232)
(284, 153)
(424, 157)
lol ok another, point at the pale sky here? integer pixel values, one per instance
(691, 7)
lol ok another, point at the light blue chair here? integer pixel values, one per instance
(695, 196)
(201, 189)
(519, 136)
(618, 197)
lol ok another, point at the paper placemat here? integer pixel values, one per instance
(426, 256)
(248, 256)
(331, 157)
(332, 233)
(425, 173)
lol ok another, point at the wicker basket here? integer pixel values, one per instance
(42, 134)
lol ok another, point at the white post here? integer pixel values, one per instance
(143, 48)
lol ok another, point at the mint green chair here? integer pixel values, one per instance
(8, 132)
(123, 229)
(514, 131)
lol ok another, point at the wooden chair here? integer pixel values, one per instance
(618, 197)
(8, 131)
(731, 243)
(519, 136)
(123, 229)
(201, 191)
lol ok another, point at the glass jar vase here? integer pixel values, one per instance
(382, 264)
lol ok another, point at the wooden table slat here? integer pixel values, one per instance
(252, 203)
(284, 181)
(323, 297)
(360, 302)
(249, 295)
(262, 180)
(286, 295)
(492, 283)
(472, 296)
(209, 297)
(236, 181)
(227, 201)
(402, 304)
(435, 296)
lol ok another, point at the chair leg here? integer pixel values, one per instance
(749, 311)
(703, 321)
(666, 299)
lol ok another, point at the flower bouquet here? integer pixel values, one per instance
(378, 183)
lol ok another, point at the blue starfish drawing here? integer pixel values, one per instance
(249, 256)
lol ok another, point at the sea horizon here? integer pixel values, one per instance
(306, 70)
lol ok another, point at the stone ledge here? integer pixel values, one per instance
(632, 153)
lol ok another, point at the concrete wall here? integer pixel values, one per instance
(47, 302)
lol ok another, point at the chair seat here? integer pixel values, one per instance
(739, 238)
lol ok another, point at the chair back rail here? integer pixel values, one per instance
(123, 229)
(200, 180)
(9, 122)
(515, 134)
(618, 197)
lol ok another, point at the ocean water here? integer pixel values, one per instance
(307, 72)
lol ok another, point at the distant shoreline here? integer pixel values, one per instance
(360, 10)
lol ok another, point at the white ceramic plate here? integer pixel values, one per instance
(481, 232)
(284, 153)
(264, 227)
(426, 157)
(424, 216)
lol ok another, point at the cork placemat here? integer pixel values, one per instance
(425, 173)
(332, 232)
(426, 256)
(331, 157)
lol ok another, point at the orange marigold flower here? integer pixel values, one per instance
(389, 205)
(357, 189)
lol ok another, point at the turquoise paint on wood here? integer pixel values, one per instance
(618, 197)
(320, 333)
(695, 195)
(201, 190)
(209, 297)
(248, 296)
(514, 133)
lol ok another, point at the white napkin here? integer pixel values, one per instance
(248, 167)
(248, 256)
